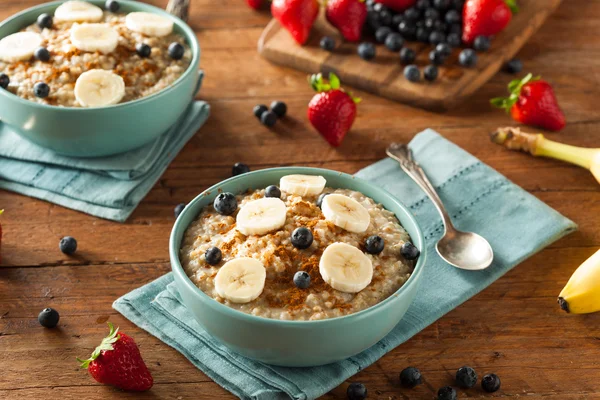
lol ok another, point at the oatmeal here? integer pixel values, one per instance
(135, 57)
(318, 262)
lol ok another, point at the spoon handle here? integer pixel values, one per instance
(402, 154)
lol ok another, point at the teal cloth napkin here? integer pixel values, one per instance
(107, 187)
(478, 199)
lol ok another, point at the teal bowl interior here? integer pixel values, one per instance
(92, 132)
(295, 343)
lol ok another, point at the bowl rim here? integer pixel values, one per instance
(189, 35)
(177, 268)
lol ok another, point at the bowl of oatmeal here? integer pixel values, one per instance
(296, 266)
(86, 81)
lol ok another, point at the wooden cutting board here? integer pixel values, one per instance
(384, 75)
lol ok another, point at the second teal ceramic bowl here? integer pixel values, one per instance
(295, 343)
(93, 132)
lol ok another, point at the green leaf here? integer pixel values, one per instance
(512, 4)
(334, 81)
(105, 345)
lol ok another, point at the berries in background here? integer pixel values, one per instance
(407, 55)
(255, 4)
(225, 203)
(514, 66)
(48, 318)
(4, 81)
(486, 18)
(273, 191)
(466, 377)
(213, 255)
(327, 43)
(112, 6)
(412, 73)
(178, 209)
(409, 251)
(143, 50)
(382, 33)
(279, 108)
(490, 383)
(482, 43)
(366, 51)
(430, 73)
(348, 16)
(176, 51)
(394, 42)
(239, 168)
(41, 90)
(44, 21)
(467, 58)
(397, 5)
(436, 57)
(302, 279)
(268, 118)
(296, 16)
(68, 245)
(410, 377)
(447, 393)
(356, 391)
(302, 238)
(259, 110)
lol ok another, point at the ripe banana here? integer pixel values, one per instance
(94, 37)
(241, 280)
(345, 268)
(99, 88)
(19, 46)
(78, 11)
(581, 295)
(346, 213)
(302, 185)
(261, 216)
(149, 24)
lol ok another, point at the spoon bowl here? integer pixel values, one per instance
(465, 250)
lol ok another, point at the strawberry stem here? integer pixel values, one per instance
(514, 88)
(105, 345)
(512, 4)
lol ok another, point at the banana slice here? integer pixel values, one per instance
(149, 24)
(261, 216)
(19, 46)
(98, 88)
(302, 185)
(345, 268)
(78, 11)
(346, 213)
(241, 280)
(94, 37)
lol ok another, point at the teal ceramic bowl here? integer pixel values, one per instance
(295, 343)
(93, 132)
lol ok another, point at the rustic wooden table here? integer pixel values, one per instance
(513, 328)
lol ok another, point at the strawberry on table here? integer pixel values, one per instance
(118, 362)
(348, 16)
(297, 16)
(486, 18)
(532, 102)
(256, 4)
(331, 111)
(397, 5)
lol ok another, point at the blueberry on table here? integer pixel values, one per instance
(268, 118)
(482, 43)
(112, 6)
(225, 203)
(412, 73)
(143, 50)
(41, 90)
(176, 51)
(514, 66)
(407, 55)
(409, 251)
(44, 21)
(466, 377)
(366, 51)
(374, 244)
(490, 383)
(382, 33)
(447, 393)
(320, 199)
(437, 37)
(68, 245)
(4, 81)
(302, 279)
(178, 209)
(453, 39)
(279, 108)
(259, 110)
(48, 318)
(444, 48)
(213, 255)
(394, 42)
(273, 191)
(327, 43)
(467, 58)
(239, 168)
(452, 17)
(430, 73)
(436, 57)
(410, 377)
(302, 238)
(356, 391)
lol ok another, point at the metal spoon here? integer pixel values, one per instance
(465, 250)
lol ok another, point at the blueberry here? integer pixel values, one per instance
(279, 108)
(372, 22)
(452, 17)
(436, 57)
(382, 33)
(374, 244)
(412, 14)
(453, 39)
(44, 21)
(422, 35)
(112, 6)
(385, 17)
(268, 118)
(4, 81)
(302, 238)
(68, 245)
(439, 25)
(356, 391)
(423, 4)
(272, 191)
(490, 383)
(397, 19)
(455, 28)
(457, 4)
(410, 377)
(407, 55)
(176, 51)
(430, 73)
(302, 279)
(482, 43)
(437, 37)
(370, 4)
(259, 109)
(143, 50)
(178, 209)
(366, 51)
(443, 48)
(327, 43)
(225, 203)
(412, 73)
(441, 5)
(239, 168)
(409, 251)
(394, 42)
(514, 66)
(466, 377)
(320, 199)
(48, 318)
(378, 7)
(431, 13)
(213, 255)
(447, 393)
(41, 90)
(407, 29)
(467, 58)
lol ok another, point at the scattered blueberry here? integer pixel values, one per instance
(213, 255)
(437, 37)
(356, 391)
(178, 209)
(482, 43)
(225, 203)
(382, 33)
(176, 51)
(259, 110)
(412, 14)
(447, 393)
(48, 318)
(302, 238)
(394, 42)
(430, 73)
(410, 377)
(320, 199)
(239, 168)
(466, 377)
(409, 251)
(453, 39)
(412, 73)
(490, 383)
(452, 17)
(366, 51)
(68, 245)
(4, 81)
(268, 118)
(444, 48)
(302, 279)
(467, 58)
(407, 55)
(374, 244)
(514, 66)
(436, 57)
(44, 21)
(273, 191)
(41, 90)
(143, 50)
(279, 108)
(327, 43)
(112, 6)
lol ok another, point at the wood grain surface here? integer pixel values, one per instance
(513, 328)
(384, 75)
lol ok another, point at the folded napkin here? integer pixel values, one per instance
(107, 187)
(477, 197)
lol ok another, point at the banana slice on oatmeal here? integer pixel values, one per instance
(19, 46)
(149, 24)
(302, 185)
(345, 268)
(78, 11)
(346, 213)
(99, 88)
(261, 216)
(241, 280)
(94, 37)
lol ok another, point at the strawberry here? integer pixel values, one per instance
(397, 5)
(486, 17)
(348, 16)
(118, 362)
(256, 4)
(297, 16)
(532, 102)
(331, 111)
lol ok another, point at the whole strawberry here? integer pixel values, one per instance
(331, 111)
(486, 17)
(297, 16)
(397, 5)
(256, 4)
(118, 362)
(532, 102)
(348, 16)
